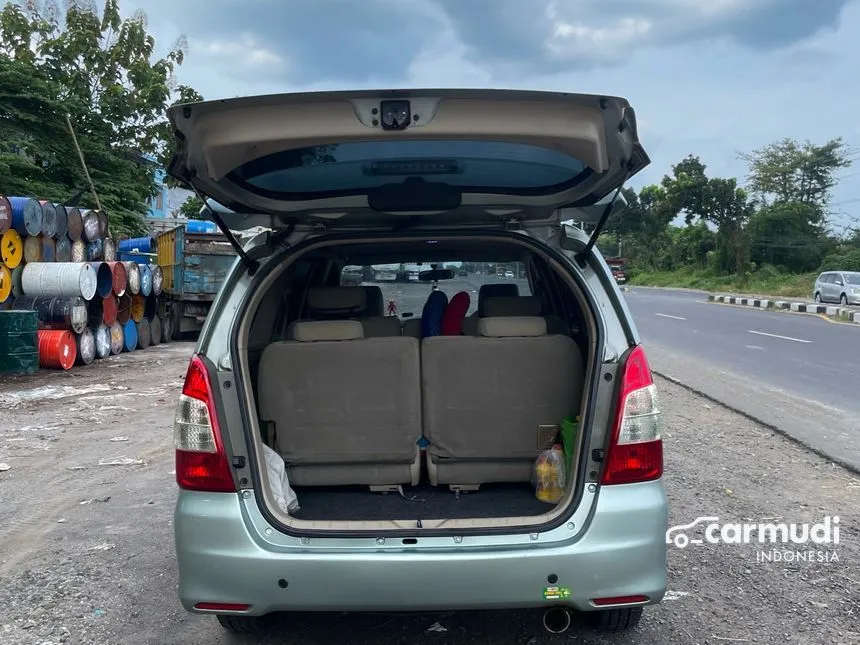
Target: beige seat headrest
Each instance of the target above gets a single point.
(309, 331)
(512, 326)
(512, 306)
(337, 299)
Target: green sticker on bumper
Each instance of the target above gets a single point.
(556, 593)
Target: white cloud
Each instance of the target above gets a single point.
(707, 77)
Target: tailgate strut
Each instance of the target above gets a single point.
(582, 256)
(250, 263)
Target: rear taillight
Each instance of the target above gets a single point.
(201, 463)
(636, 450)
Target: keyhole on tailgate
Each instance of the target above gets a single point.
(283, 584)
(552, 578)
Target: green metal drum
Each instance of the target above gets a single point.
(19, 352)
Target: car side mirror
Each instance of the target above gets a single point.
(839, 282)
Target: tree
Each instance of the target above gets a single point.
(100, 71)
(783, 234)
(190, 208)
(691, 193)
(787, 171)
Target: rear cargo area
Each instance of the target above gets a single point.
(390, 419)
(418, 503)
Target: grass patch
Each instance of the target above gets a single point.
(765, 283)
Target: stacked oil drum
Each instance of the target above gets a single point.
(65, 298)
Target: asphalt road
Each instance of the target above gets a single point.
(738, 354)
(86, 550)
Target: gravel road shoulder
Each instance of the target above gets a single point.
(86, 552)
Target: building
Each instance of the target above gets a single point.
(165, 204)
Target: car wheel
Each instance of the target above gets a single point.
(616, 620)
(818, 298)
(843, 299)
(241, 624)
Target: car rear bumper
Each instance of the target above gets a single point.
(223, 559)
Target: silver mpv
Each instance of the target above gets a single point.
(336, 452)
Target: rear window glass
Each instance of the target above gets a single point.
(399, 282)
(355, 167)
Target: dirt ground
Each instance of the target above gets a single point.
(86, 551)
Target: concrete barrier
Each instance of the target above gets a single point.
(833, 312)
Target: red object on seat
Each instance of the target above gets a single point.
(455, 312)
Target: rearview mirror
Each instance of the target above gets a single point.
(436, 274)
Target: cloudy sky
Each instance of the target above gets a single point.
(708, 77)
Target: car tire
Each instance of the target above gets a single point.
(818, 298)
(843, 299)
(617, 619)
(241, 624)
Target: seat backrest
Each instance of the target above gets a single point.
(412, 327)
(336, 303)
(523, 306)
(495, 290)
(485, 396)
(381, 326)
(374, 306)
(336, 397)
(512, 306)
(353, 303)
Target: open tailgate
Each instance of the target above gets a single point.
(371, 158)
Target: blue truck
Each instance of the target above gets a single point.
(194, 265)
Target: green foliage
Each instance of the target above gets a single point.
(787, 171)
(190, 208)
(785, 234)
(845, 259)
(100, 71)
(768, 240)
(768, 283)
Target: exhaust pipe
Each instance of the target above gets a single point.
(556, 620)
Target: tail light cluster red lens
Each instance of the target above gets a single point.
(201, 462)
(636, 449)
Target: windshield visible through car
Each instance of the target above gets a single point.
(401, 284)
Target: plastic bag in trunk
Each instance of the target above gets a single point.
(548, 475)
(284, 495)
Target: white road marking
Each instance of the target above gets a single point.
(755, 347)
(762, 333)
(668, 316)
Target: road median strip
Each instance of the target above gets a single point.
(833, 312)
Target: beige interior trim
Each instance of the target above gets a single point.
(233, 136)
(390, 525)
